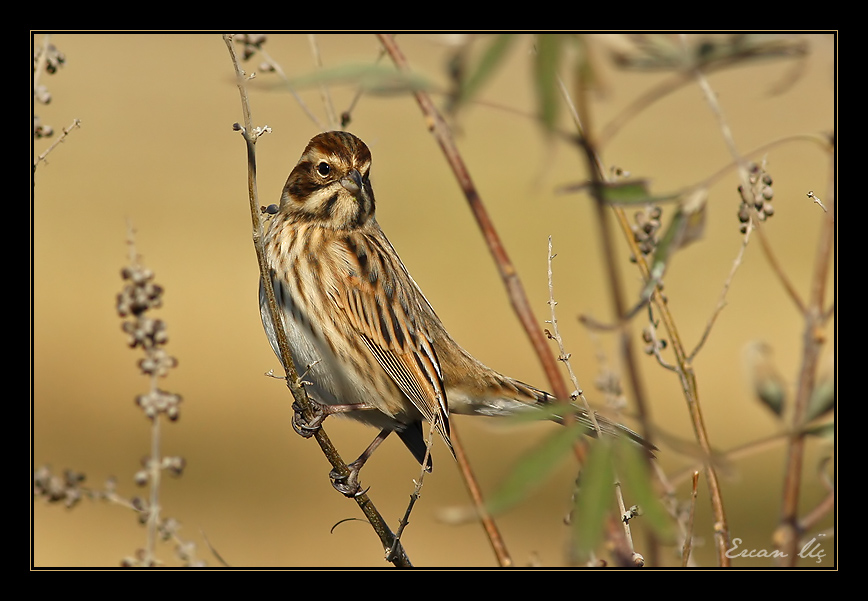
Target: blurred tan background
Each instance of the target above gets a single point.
(156, 147)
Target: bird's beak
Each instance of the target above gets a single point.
(352, 182)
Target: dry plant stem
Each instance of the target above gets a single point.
(661, 90)
(507, 271)
(628, 535)
(37, 73)
(625, 340)
(399, 557)
(740, 161)
(761, 150)
(787, 535)
(620, 548)
(616, 291)
(817, 513)
(41, 62)
(655, 342)
(564, 356)
(688, 539)
(347, 115)
(279, 70)
(776, 266)
(640, 104)
(595, 168)
(691, 394)
(685, 369)
(153, 464)
(578, 448)
(673, 505)
(76, 123)
(721, 303)
(155, 473)
(414, 496)
(488, 524)
(325, 97)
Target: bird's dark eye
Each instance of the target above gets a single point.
(323, 168)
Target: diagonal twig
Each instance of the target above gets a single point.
(515, 290)
(517, 296)
(397, 555)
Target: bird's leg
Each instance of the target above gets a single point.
(348, 484)
(345, 484)
(319, 411)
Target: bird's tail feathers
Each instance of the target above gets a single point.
(559, 412)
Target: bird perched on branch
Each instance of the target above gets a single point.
(369, 343)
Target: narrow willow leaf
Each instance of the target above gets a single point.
(772, 395)
(628, 192)
(768, 385)
(376, 79)
(694, 203)
(533, 468)
(638, 489)
(488, 62)
(825, 430)
(687, 225)
(742, 48)
(653, 52)
(822, 399)
(548, 48)
(663, 52)
(594, 499)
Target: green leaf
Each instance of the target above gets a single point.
(626, 192)
(768, 385)
(594, 499)
(548, 48)
(638, 489)
(533, 468)
(488, 62)
(651, 52)
(375, 79)
(822, 399)
(824, 430)
(664, 52)
(687, 225)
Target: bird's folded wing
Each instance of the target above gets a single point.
(397, 338)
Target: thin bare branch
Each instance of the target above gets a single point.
(685, 370)
(517, 296)
(787, 535)
(298, 99)
(325, 96)
(488, 524)
(564, 355)
(777, 269)
(398, 556)
(76, 123)
(721, 301)
(688, 539)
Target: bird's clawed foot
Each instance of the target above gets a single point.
(307, 427)
(348, 485)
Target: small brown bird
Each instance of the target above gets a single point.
(365, 337)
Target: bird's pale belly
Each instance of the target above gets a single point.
(328, 383)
